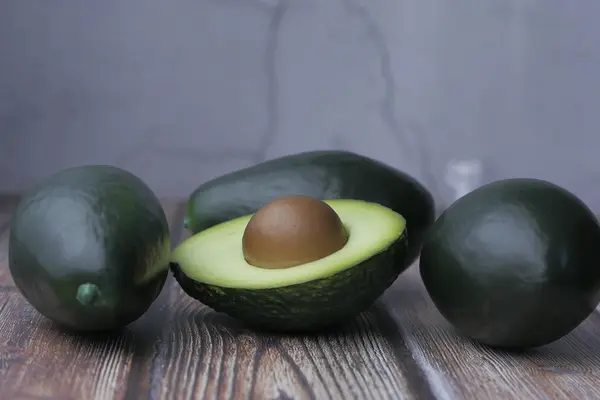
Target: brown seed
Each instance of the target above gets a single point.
(292, 230)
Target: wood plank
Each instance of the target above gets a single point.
(207, 355)
(39, 360)
(146, 374)
(217, 358)
(458, 368)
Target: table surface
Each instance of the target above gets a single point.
(400, 349)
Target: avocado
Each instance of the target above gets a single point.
(318, 174)
(514, 264)
(89, 247)
(210, 267)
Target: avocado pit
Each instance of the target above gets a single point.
(292, 230)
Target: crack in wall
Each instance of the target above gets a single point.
(144, 143)
(272, 90)
(388, 101)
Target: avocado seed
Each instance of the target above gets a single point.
(292, 230)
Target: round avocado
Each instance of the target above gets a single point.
(514, 264)
(322, 175)
(210, 266)
(292, 230)
(89, 247)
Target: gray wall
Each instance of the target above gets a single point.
(181, 91)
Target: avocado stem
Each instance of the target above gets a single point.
(87, 294)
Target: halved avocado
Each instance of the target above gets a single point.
(210, 267)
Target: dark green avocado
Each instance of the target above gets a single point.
(323, 175)
(211, 268)
(514, 264)
(89, 247)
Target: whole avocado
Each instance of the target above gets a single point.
(89, 247)
(325, 175)
(514, 264)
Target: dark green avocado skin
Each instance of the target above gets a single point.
(304, 307)
(514, 264)
(325, 175)
(97, 225)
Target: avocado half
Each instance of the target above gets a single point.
(89, 247)
(322, 175)
(514, 264)
(210, 267)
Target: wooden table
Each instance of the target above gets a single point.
(401, 349)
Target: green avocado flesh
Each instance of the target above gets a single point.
(514, 264)
(318, 174)
(89, 247)
(210, 267)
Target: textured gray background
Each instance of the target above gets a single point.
(181, 91)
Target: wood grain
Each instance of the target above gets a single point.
(40, 361)
(457, 368)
